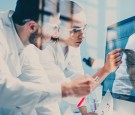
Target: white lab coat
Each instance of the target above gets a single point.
(122, 83)
(60, 68)
(17, 97)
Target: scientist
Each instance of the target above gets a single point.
(61, 57)
(18, 59)
(60, 66)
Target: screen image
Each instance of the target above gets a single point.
(121, 83)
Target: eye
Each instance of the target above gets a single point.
(75, 30)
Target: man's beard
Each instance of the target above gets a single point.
(55, 39)
(33, 38)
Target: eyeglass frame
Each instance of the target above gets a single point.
(72, 29)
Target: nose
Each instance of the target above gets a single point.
(82, 34)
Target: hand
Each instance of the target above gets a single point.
(113, 61)
(79, 87)
(82, 86)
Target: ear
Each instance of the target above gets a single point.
(31, 26)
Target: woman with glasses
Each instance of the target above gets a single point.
(61, 56)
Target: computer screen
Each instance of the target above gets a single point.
(120, 84)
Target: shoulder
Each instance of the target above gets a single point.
(3, 36)
(3, 14)
(30, 47)
(74, 51)
(30, 54)
(30, 50)
(5, 17)
(5, 22)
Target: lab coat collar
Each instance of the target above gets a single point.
(10, 13)
(69, 50)
(62, 59)
(19, 43)
(60, 56)
(67, 55)
(64, 48)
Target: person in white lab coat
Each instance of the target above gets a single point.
(61, 57)
(68, 63)
(124, 82)
(18, 59)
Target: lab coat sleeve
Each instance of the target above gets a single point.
(73, 70)
(18, 95)
(122, 83)
(55, 75)
(15, 94)
(32, 71)
(54, 72)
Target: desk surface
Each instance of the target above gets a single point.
(124, 107)
(121, 107)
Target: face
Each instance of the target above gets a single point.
(76, 36)
(73, 32)
(70, 32)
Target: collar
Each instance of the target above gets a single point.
(10, 13)
(19, 43)
(64, 47)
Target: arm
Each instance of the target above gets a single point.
(32, 71)
(13, 93)
(20, 96)
(74, 69)
(55, 74)
(102, 73)
(75, 86)
(112, 63)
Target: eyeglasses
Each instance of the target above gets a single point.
(73, 30)
(52, 28)
(78, 29)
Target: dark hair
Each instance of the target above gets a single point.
(67, 9)
(26, 10)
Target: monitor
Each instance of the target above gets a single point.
(119, 82)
